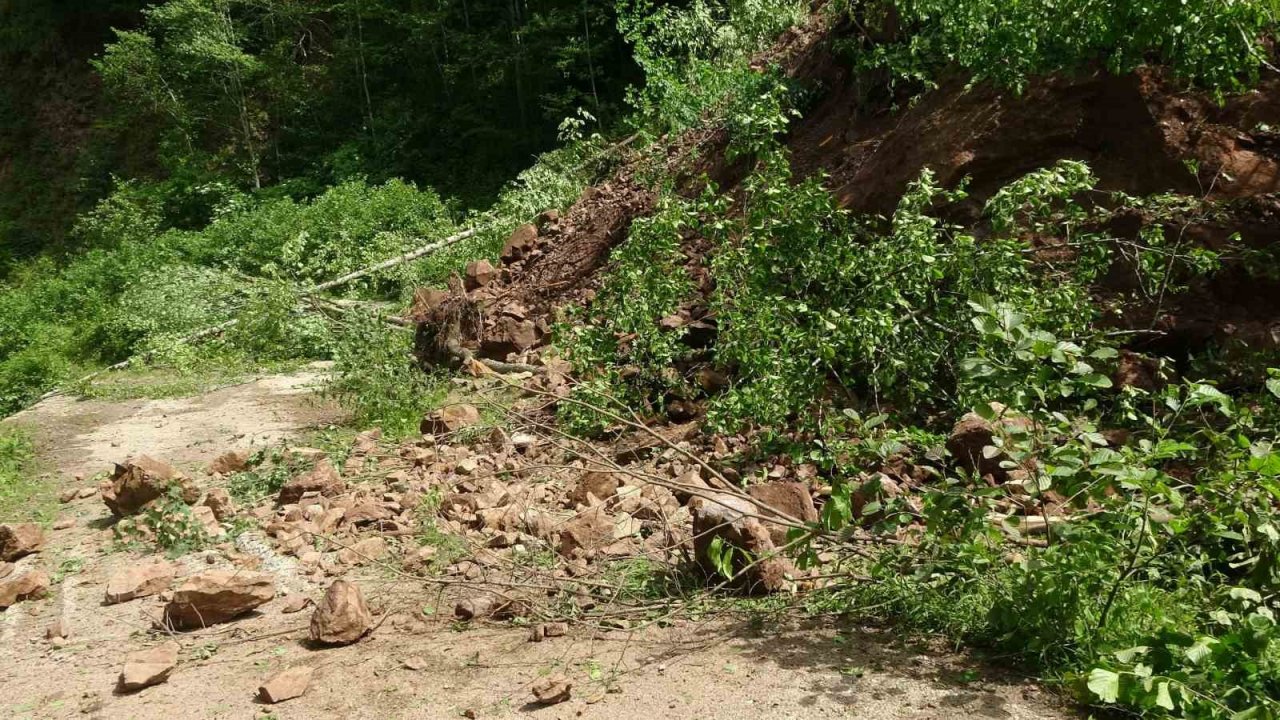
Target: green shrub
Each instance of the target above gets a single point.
(1220, 45)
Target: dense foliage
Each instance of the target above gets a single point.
(262, 147)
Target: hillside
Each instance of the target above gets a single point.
(953, 321)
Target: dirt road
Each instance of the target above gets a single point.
(417, 663)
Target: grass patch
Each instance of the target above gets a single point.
(24, 493)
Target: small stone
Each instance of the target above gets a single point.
(219, 501)
(370, 549)
(87, 492)
(342, 617)
(232, 461)
(555, 629)
(20, 540)
(6, 569)
(68, 495)
(286, 685)
(145, 668)
(450, 419)
(57, 630)
(552, 690)
(64, 523)
(322, 479)
(294, 604)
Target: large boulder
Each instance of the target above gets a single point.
(450, 419)
(136, 581)
(217, 596)
(219, 501)
(137, 482)
(145, 668)
(323, 479)
(729, 518)
(479, 273)
(28, 586)
(19, 540)
(342, 617)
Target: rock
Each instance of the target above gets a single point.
(295, 604)
(20, 540)
(552, 690)
(145, 668)
(322, 479)
(64, 524)
(6, 569)
(727, 517)
(479, 274)
(370, 549)
(209, 521)
(232, 461)
(555, 629)
(520, 244)
(140, 581)
(68, 495)
(449, 419)
(32, 585)
(87, 492)
(509, 335)
(217, 596)
(286, 685)
(1138, 371)
(973, 434)
(367, 513)
(219, 501)
(788, 498)
(59, 630)
(601, 485)
(342, 617)
(589, 532)
(135, 483)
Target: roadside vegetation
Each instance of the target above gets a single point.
(1149, 584)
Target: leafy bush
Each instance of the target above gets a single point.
(1220, 45)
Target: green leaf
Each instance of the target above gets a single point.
(1105, 684)
(1163, 698)
(1273, 384)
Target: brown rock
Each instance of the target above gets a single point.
(370, 549)
(219, 501)
(973, 434)
(64, 523)
(232, 461)
(6, 569)
(135, 483)
(32, 585)
(601, 485)
(20, 540)
(479, 274)
(520, 243)
(788, 498)
(589, 532)
(552, 690)
(145, 668)
(295, 604)
(58, 629)
(322, 479)
(138, 581)
(510, 335)
(1139, 371)
(68, 495)
(727, 517)
(217, 596)
(286, 685)
(342, 617)
(449, 419)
